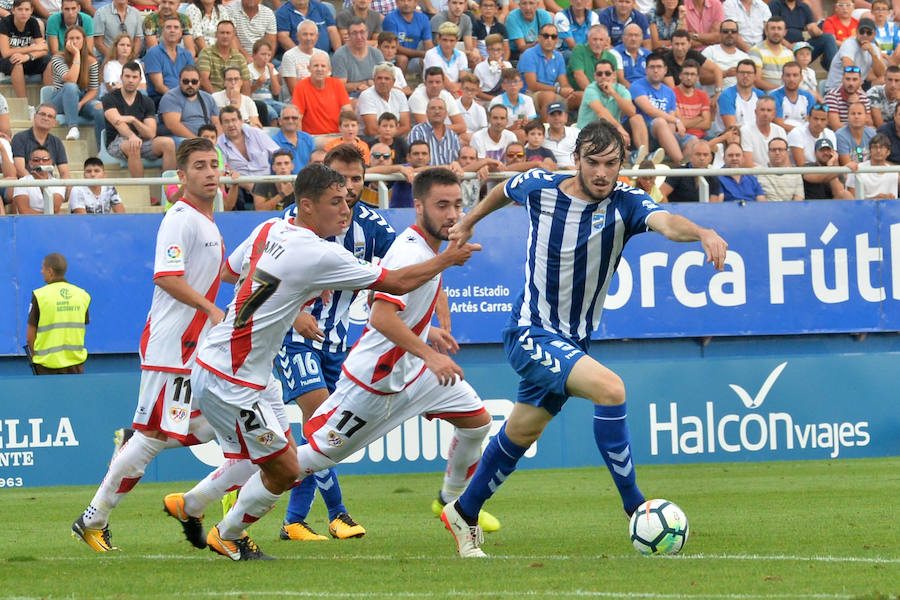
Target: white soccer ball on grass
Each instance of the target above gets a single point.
(658, 527)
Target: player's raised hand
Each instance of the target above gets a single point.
(444, 368)
(442, 341)
(715, 248)
(306, 325)
(460, 233)
(460, 253)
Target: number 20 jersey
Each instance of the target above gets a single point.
(283, 267)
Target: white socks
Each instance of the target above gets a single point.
(464, 454)
(125, 470)
(253, 503)
(232, 474)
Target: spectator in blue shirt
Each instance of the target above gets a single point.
(573, 24)
(413, 31)
(289, 16)
(739, 188)
(299, 143)
(163, 63)
(523, 25)
(620, 14)
(656, 102)
(633, 63)
(544, 71)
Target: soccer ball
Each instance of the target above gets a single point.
(658, 527)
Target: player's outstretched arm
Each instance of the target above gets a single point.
(680, 229)
(385, 319)
(404, 280)
(178, 288)
(465, 227)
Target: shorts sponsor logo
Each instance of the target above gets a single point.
(335, 440)
(266, 439)
(178, 414)
(173, 253)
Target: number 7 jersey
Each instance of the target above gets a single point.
(283, 267)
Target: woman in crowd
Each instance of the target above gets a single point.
(76, 79)
(205, 16)
(665, 18)
(120, 52)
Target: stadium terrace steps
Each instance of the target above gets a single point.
(32, 91)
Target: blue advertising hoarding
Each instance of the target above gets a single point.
(793, 267)
(58, 430)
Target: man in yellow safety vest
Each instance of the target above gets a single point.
(56, 320)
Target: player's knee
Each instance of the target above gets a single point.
(609, 390)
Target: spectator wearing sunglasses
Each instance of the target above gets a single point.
(859, 51)
(606, 99)
(840, 98)
(802, 140)
(544, 71)
(514, 158)
(185, 108)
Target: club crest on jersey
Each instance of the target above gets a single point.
(173, 253)
(335, 440)
(178, 414)
(359, 250)
(598, 220)
(266, 439)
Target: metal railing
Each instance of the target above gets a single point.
(383, 194)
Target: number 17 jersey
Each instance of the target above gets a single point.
(283, 267)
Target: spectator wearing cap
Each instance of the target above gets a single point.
(809, 81)
(860, 51)
(544, 71)
(884, 98)
(892, 130)
(840, 98)
(876, 185)
(791, 103)
(824, 186)
(853, 138)
(739, 188)
(560, 138)
(798, 19)
(802, 139)
(751, 17)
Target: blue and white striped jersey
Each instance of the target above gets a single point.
(574, 247)
(368, 236)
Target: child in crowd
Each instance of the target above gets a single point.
(265, 85)
(808, 81)
(387, 134)
(887, 33)
(387, 43)
(534, 140)
(520, 107)
(473, 112)
(489, 71)
(348, 124)
(648, 183)
(94, 199)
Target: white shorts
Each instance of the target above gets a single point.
(353, 417)
(249, 423)
(165, 404)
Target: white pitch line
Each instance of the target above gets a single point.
(519, 557)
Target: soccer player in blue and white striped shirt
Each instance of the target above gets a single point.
(578, 228)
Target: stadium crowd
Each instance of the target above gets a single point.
(477, 86)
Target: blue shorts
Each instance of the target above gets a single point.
(302, 368)
(544, 360)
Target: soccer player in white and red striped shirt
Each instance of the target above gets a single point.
(287, 264)
(188, 259)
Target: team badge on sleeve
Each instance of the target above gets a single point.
(266, 439)
(335, 440)
(178, 414)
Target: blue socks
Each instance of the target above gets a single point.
(303, 494)
(499, 460)
(614, 442)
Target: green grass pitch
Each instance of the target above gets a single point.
(807, 529)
